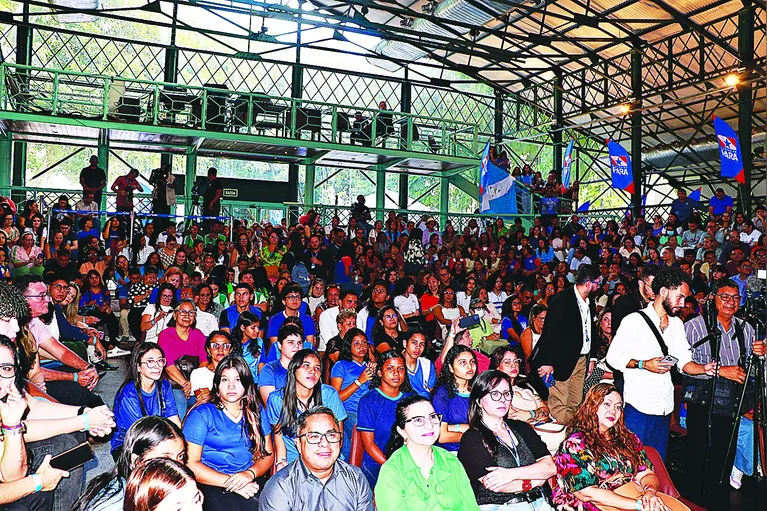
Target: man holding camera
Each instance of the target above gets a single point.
(737, 345)
(124, 187)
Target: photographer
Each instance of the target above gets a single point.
(737, 345)
(124, 187)
(211, 201)
(163, 194)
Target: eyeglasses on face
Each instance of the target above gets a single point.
(221, 346)
(187, 312)
(497, 395)
(512, 362)
(420, 420)
(7, 371)
(159, 362)
(729, 298)
(391, 316)
(332, 437)
(42, 296)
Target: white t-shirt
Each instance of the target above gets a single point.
(153, 333)
(201, 378)
(328, 326)
(206, 322)
(406, 304)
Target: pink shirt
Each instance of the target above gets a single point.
(483, 362)
(175, 348)
(39, 331)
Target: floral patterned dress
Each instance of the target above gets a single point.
(577, 468)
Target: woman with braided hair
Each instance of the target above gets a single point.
(14, 316)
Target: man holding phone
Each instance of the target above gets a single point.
(646, 346)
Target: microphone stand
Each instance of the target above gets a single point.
(716, 344)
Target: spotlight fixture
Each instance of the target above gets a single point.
(625, 108)
(406, 22)
(731, 80)
(429, 7)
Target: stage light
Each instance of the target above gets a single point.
(731, 80)
(625, 109)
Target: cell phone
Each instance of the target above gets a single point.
(669, 359)
(549, 380)
(469, 321)
(73, 458)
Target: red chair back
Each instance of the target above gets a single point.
(666, 484)
(356, 450)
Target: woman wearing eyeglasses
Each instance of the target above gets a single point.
(229, 446)
(218, 345)
(387, 331)
(181, 340)
(144, 392)
(417, 475)
(157, 315)
(507, 463)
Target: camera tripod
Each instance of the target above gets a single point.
(755, 370)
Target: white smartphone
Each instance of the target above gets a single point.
(669, 359)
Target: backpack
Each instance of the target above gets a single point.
(300, 276)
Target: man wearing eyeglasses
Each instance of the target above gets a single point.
(745, 269)
(318, 480)
(737, 344)
(292, 297)
(71, 388)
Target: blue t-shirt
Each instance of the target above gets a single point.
(127, 408)
(225, 444)
(330, 399)
(506, 323)
(423, 385)
(454, 411)
(348, 371)
(720, 205)
(549, 205)
(376, 414)
(276, 321)
(253, 361)
(274, 352)
(273, 375)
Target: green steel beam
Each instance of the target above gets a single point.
(380, 194)
(103, 155)
(465, 185)
(190, 175)
(309, 185)
(6, 161)
(444, 200)
(19, 178)
(403, 198)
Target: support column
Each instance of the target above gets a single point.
(19, 152)
(636, 130)
(498, 111)
(406, 104)
(103, 156)
(190, 176)
(170, 75)
(6, 162)
(380, 194)
(745, 100)
(558, 122)
(309, 185)
(444, 200)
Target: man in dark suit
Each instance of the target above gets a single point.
(637, 299)
(565, 344)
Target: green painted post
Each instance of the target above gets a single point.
(6, 162)
(103, 155)
(444, 200)
(189, 177)
(309, 186)
(403, 191)
(380, 194)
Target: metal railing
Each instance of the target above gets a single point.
(58, 93)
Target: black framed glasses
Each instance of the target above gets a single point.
(333, 437)
(497, 395)
(420, 420)
(7, 371)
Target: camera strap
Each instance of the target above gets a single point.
(663, 347)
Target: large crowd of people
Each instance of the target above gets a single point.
(388, 363)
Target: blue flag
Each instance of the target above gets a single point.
(695, 194)
(497, 189)
(730, 156)
(584, 208)
(567, 164)
(620, 164)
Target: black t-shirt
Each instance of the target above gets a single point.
(93, 177)
(213, 187)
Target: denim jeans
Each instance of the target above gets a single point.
(744, 455)
(349, 422)
(182, 403)
(652, 430)
(69, 489)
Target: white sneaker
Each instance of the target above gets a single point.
(117, 352)
(736, 478)
(93, 356)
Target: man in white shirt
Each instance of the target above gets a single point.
(648, 391)
(579, 258)
(327, 323)
(750, 235)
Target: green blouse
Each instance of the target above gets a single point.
(401, 486)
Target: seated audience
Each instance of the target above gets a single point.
(218, 345)
(162, 484)
(451, 395)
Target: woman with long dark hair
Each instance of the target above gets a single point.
(600, 456)
(451, 395)
(303, 390)
(513, 322)
(219, 345)
(148, 438)
(157, 315)
(414, 462)
(95, 301)
(505, 460)
(387, 331)
(350, 376)
(162, 485)
(144, 392)
(229, 443)
(247, 342)
(388, 386)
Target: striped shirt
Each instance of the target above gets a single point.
(730, 355)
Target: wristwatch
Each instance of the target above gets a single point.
(527, 485)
